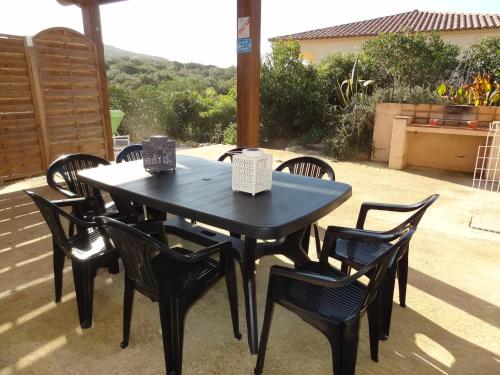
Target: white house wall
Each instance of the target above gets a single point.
(315, 50)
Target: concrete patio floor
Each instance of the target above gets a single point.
(451, 324)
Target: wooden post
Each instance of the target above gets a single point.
(248, 78)
(92, 29)
(39, 105)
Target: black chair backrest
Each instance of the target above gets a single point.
(67, 166)
(52, 215)
(308, 166)
(413, 220)
(130, 153)
(381, 264)
(136, 250)
(230, 153)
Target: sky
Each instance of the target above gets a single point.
(204, 31)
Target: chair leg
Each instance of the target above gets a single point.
(403, 278)
(387, 295)
(235, 235)
(349, 349)
(172, 326)
(268, 316)
(114, 267)
(344, 267)
(316, 237)
(232, 293)
(58, 257)
(128, 302)
(84, 288)
(306, 239)
(374, 327)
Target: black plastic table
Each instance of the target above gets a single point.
(200, 190)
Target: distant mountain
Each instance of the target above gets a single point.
(135, 70)
(111, 52)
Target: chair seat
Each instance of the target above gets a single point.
(178, 277)
(337, 304)
(358, 253)
(90, 245)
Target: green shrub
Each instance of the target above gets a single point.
(405, 94)
(409, 59)
(351, 130)
(482, 57)
(229, 135)
(291, 100)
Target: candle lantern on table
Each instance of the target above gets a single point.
(159, 154)
(252, 171)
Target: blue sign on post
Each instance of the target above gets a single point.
(244, 45)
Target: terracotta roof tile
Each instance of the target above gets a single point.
(414, 21)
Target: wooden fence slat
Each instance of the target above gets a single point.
(53, 43)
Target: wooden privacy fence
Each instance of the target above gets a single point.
(50, 102)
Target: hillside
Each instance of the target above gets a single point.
(186, 101)
(133, 70)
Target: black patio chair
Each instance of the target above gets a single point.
(357, 255)
(87, 250)
(229, 154)
(174, 277)
(310, 167)
(130, 153)
(66, 168)
(331, 301)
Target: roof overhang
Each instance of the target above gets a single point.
(84, 2)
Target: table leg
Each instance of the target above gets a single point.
(248, 273)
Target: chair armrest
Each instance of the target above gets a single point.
(319, 279)
(207, 252)
(61, 190)
(77, 221)
(70, 202)
(333, 232)
(367, 206)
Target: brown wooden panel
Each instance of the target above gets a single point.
(65, 116)
(70, 86)
(67, 72)
(14, 80)
(52, 43)
(20, 150)
(17, 123)
(8, 86)
(51, 79)
(7, 71)
(6, 94)
(59, 59)
(51, 94)
(70, 52)
(13, 63)
(13, 56)
(14, 100)
(11, 40)
(62, 65)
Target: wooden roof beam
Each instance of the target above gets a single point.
(84, 2)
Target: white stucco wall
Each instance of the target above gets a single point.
(315, 50)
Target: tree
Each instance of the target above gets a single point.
(483, 57)
(290, 99)
(409, 59)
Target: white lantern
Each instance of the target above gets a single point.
(252, 171)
